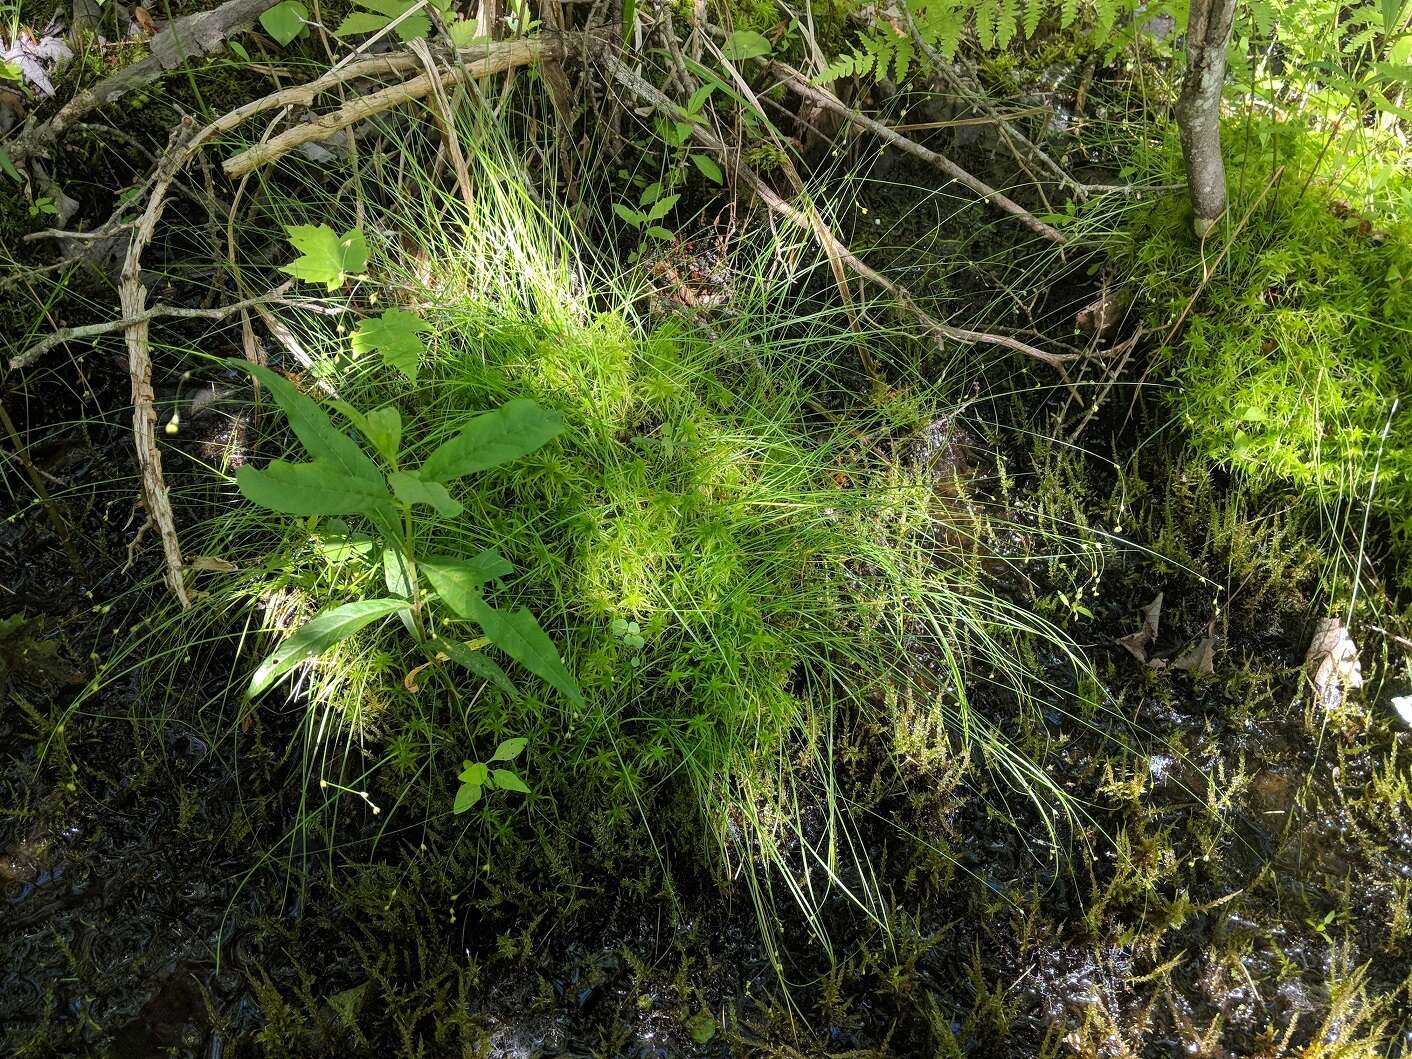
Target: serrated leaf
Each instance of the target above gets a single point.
(515, 429)
(510, 749)
(397, 334)
(459, 581)
(746, 44)
(285, 21)
(410, 489)
(708, 167)
(316, 488)
(325, 257)
(466, 797)
(463, 33)
(508, 781)
(317, 635)
(380, 13)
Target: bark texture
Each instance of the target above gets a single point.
(1199, 108)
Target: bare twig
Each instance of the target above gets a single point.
(185, 37)
(797, 84)
(940, 330)
(493, 58)
(133, 297)
(75, 334)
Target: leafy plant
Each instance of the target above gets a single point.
(397, 335)
(377, 14)
(652, 206)
(341, 479)
(476, 776)
(326, 257)
(285, 21)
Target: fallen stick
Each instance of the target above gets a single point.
(133, 298)
(831, 244)
(183, 38)
(797, 84)
(977, 102)
(493, 58)
(75, 334)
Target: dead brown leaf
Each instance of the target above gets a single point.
(1138, 642)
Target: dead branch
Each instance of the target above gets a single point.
(76, 334)
(184, 38)
(493, 58)
(797, 84)
(977, 101)
(133, 297)
(831, 244)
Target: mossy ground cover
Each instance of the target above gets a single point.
(1231, 880)
(1293, 367)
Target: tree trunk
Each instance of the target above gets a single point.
(1199, 108)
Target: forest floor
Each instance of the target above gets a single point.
(1238, 881)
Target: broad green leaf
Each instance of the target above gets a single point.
(337, 543)
(518, 634)
(317, 488)
(312, 426)
(381, 426)
(410, 489)
(475, 773)
(380, 13)
(319, 634)
(325, 257)
(396, 573)
(7, 164)
(662, 207)
(285, 21)
(239, 50)
(708, 167)
(510, 749)
(746, 44)
(651, 193)
(478, 662)
(511, 431)
(658, 232)
(466, 797)
(508, 781)
(397, 335)
(627, 213)
(463, 33)
(459, 581)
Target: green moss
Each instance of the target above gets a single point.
(1295, 354)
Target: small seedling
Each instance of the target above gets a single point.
(476, 776)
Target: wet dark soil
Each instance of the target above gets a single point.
(1237, 884)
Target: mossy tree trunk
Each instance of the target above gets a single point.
(1199, 108)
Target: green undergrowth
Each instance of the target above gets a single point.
(1295, 361)
(735, 553)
